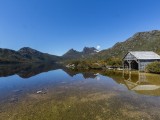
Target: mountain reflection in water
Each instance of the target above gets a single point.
(30, 70)
(26, 70)
(142, 83)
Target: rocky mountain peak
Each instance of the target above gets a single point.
(89, 50)
(72, 50)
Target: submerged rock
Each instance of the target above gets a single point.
(41, 92)
(17, 91)
(13, 99)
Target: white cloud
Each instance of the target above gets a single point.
(98, 47)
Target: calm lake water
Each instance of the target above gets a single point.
(52, 92)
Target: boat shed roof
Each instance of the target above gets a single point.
(145, 55)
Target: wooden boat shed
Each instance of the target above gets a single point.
(138, 60)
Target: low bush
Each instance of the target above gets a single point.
(153, 67)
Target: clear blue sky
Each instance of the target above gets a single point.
(54, 26)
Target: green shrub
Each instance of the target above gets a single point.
(95, 64)
(153, 67)
(115, 62)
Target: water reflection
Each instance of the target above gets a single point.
(143, 83)
(30, 70)
(26, 70)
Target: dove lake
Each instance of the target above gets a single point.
(53, 92)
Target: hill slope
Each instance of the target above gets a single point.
(11, 56)
(142, 41)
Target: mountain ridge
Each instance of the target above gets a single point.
(25, 54)
(140, 41)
